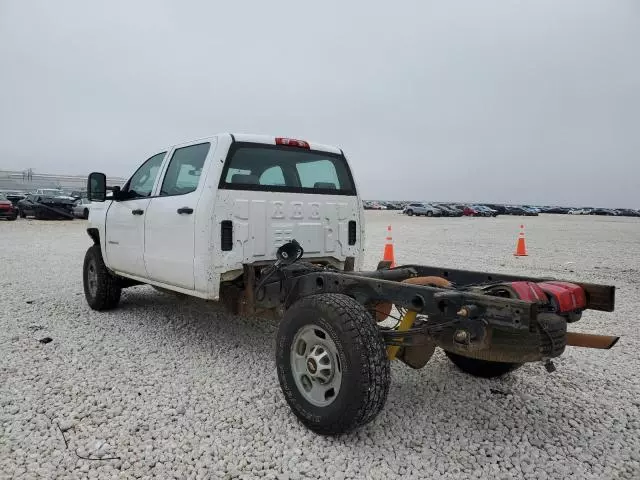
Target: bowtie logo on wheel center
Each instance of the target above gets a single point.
(312, 366)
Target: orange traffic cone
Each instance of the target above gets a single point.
(388, 255)
(521, 247)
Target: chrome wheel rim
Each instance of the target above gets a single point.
(92, 278)
(315, 365)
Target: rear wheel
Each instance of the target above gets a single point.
(332, 363)
(101, 288)
(482, 368)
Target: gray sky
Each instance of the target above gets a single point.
(500, 101)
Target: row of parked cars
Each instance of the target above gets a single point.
(431, 209)
(459, 210)
(44, 204)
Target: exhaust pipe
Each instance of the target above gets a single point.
(588, 340)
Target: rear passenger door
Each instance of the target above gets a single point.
(171, 218)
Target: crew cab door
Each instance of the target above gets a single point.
(170, 222)
(124, 230)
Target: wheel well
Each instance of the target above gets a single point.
(94, 234)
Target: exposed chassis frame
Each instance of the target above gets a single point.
(460, 319)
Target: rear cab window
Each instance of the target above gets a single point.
(278, 168)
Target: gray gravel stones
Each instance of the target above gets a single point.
(182, 390)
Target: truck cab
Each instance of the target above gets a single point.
(208, 214)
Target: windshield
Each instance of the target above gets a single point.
(252, 166)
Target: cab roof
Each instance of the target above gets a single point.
(267, 140)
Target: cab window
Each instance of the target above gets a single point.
(141, 184)
(275, 168)
(185, 168)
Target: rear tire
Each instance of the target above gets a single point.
(101, 288)
(482, 368)
(332, 363)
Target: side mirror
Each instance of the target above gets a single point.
(97, 187)
(289, 253)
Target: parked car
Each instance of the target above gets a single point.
(513, 210)
(485, 211)
(603, 211)
(501, 209)
(392, 205)
(422, 209)
(628, 212)
(449, 211)
(44, 207)
(576, 211)
(78, 194)
(13, 197)
(530, 212)
(470, 212)
(81, 208)
(561, 210)
(7, 210)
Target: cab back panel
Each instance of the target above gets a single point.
(262, 221)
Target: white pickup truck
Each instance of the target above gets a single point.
(193, 216)
(231, 217)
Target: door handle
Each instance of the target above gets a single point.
(186, 210)
(137, 211)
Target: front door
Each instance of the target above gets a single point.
(125, 236)
(171, 219)
(124, 240)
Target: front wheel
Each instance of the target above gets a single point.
(482, 368)
(429, 213)
(332, 363)
(22, 214)
(101, 287)
(85, 214)
(410, 213)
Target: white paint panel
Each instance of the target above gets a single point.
(258, 228)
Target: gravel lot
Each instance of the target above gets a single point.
(172, 388)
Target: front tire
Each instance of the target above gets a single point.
(101, 288)
(429, 213)
(332, 363)
(85, 214)
(410, 213)
(482, 368)
(22, 214)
